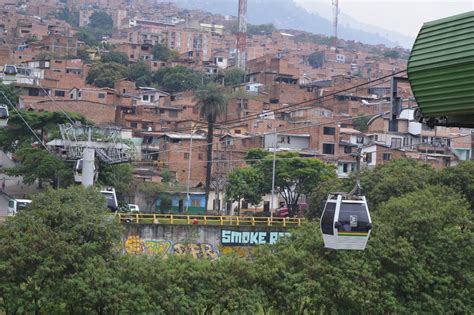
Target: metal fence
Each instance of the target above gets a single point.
(141, 218)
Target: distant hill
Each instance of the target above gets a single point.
(286, 14)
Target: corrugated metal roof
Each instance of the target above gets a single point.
(441, 66)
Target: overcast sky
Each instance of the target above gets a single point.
(403, 16)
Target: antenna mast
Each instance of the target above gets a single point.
(335, 12)
(242, 35)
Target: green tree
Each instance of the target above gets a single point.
(101, 20)
(48, 243)
(294, 176)
(360, 122)
(177, 79)
(163, 53)
(70, 16)
(211, 103)
(391, 54)
(262, 29)
(395, 179)
(119, 176)
(141, 73)
(151, 191)
(84, 56)
(87, 36)
(461, 179)
(39, 164)
(244, 183)
(234, 76)
(424, 242)
(44, 125)
(105, 74)
(115, 56)
(316, 59)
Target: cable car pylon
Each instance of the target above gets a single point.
(346, 222)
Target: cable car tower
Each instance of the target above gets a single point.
(83, 143)
(346, 222)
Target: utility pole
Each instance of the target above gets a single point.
(189, 169)
(335, 12)
(272, 205)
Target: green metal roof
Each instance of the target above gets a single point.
(441, 67)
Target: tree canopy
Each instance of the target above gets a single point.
(105, 74)
(245, 183)
(163, 53)
(234, 76)
(177, 79)
(115, 56)
(294, 176)
(316, 59)
(101, 20)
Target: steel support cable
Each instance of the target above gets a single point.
(23, 119)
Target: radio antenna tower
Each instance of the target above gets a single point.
(335, 12)
(242, 35)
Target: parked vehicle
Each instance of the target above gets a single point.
(14, 205)
(283, 211)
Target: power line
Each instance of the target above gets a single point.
(23, 119)
(285, 130)
(311, 157)
(372, 83)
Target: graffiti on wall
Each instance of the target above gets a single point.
(134, 245)
(239, 238)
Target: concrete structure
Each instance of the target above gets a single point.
(199, 241)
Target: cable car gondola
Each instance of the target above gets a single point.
(10, 70)
(3, 115)
(346, 222)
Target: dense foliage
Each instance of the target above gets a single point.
(60, 256)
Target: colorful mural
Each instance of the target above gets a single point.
(135, 246)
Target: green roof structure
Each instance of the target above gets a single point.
(441, 70)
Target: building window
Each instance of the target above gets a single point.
(387, 156)
(186, 156)
(360, 139)
(396, 143)
(329, 131)
(101, 95)
(345, 167)
(347, 149)
(368, 158)
(145, 98)
(195, 203)
(237, 131)
(133, 124)
(59, 93)
(245, 204)
(145, 126)
(200, 156)
(393, 125)
(328, 148)
(173, 113)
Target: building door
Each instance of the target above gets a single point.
(266, 206)
(181, 205)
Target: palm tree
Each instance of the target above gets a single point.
(211, 103)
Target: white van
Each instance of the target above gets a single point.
(14, 205)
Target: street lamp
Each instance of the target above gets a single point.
(189, 169)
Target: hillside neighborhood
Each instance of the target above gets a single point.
(138, 66)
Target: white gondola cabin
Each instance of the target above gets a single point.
(3, 115)
(346, 222)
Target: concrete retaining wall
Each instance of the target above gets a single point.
(199, 241)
